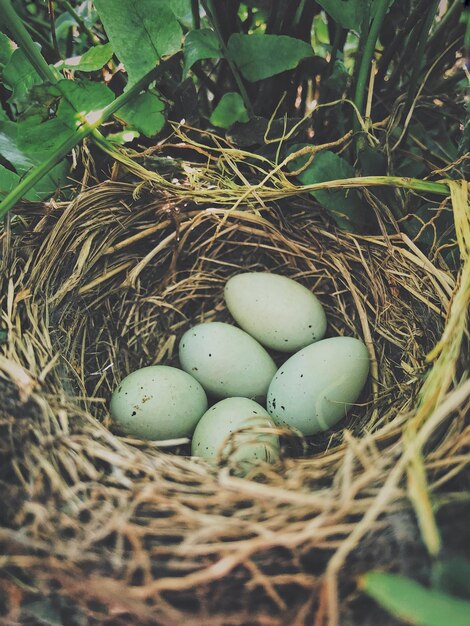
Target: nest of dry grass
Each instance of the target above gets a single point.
(112, 530)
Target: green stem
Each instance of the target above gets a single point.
(364, 68)
(21, 36)
(212, 13)
(82, 131)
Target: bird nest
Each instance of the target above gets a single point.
(101, 528)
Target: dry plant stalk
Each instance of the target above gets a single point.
(130, 532)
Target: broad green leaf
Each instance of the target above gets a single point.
(141, 33)
(144, 114)
(3, 115)
(19, 75)
(344, 205)
(183, 12)
(86, 98)
(347, 13)
(8, 180)
(9, 147)
(230, 109)
(262, 56)
(198, 45)
(39, 140)
(47, 186)
(25, 144)
(90, 61)
(7, 47)
(415, 604)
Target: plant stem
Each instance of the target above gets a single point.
(364, 68)
(82, 131)
(21, 36)
(51, 12)
(212, 13)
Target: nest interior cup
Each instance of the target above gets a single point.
(108, 283)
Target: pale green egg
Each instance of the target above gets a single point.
(158, 402)
(277, 311)
(316, 386)
(212, 441)
(226, 361)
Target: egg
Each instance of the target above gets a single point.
(316, 386)
(211, 442)
(279, 312)
(158, 402)
(226, 360)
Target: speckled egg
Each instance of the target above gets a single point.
(210, 439)
(226, 360)
(158, 402)
(279, 312)
(316, 386)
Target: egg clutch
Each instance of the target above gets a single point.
(311, 391)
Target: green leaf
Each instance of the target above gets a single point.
(8, 180)
(141, 33)
(230, 109)
(45, 188)
(262, 56)
(347, 13)
(415, 604)
(183, 12)
(49, 184)
(9, 147)
(25, 144)
(38, 140)
(86, 98)
(19, 75)
(144, 114)
(198, 45)
(90, 61)
(7, 48)
(344, 205)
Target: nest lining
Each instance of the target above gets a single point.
(108, 283)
